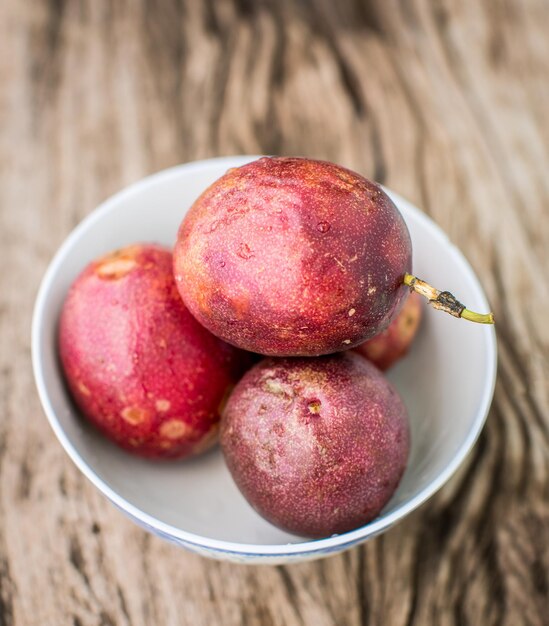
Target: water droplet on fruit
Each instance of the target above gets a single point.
(352, 312)
(214, 225)
(323, 227)
(347, 341)
(222, 263)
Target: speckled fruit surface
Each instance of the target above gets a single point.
(138, 364)
(385, 349)
(293, 257)
(317, 446)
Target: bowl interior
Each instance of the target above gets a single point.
(446, 381)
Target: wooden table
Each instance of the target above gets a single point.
(446, 102)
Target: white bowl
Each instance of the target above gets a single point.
(447, 383)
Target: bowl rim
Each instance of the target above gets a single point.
(328, 544)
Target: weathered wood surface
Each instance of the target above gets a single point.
(445, 101)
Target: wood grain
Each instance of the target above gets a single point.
(446, 102)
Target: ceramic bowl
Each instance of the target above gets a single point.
(447, 383)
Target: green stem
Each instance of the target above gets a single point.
(445, 301)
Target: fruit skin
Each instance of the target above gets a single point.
(138, 364)
(293, 257)
(317, 446)
(385, 349)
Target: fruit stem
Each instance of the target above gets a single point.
(445, 301)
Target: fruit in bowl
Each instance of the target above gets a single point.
(317, 446)
(293, 257)
(392, 344)
(289, 256)
(138, 364)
